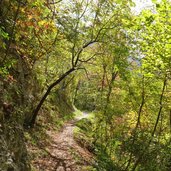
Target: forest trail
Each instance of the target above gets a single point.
(64, 153)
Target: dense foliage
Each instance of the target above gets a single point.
(95, 55)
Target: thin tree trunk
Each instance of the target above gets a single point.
(156, 124)
(32, 121)
(138, 122)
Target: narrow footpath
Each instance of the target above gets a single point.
(64, 153)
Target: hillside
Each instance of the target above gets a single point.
(59, 58)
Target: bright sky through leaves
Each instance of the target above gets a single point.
(141, 4)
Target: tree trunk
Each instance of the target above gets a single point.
(32, 121)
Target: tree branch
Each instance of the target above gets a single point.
(32, 121)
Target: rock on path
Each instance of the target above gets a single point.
(64, 153)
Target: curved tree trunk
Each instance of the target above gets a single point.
(32, 121)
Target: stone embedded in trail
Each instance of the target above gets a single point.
(64, 153)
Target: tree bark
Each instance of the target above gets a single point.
(32, 121)
(156, 124)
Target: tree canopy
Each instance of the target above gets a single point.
(96, 56)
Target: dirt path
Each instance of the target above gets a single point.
(64, 153)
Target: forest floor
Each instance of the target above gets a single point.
(62, 152)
